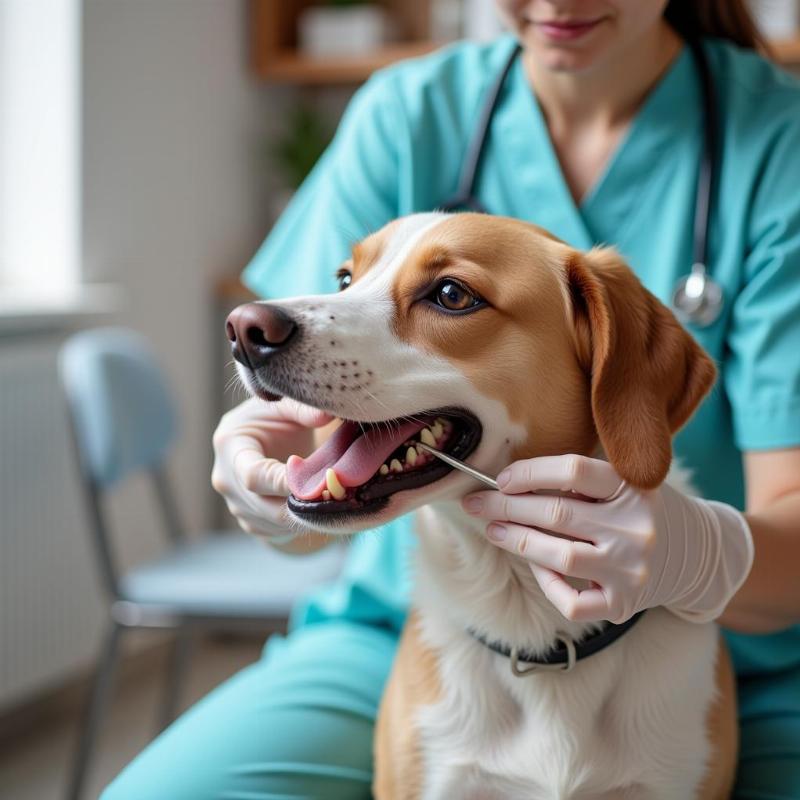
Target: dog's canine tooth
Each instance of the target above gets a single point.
(427, 436)
(395, 465)
(436, 431)
(411, 456)
(334, 486)
(384, 470)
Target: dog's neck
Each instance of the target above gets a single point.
(468, 583)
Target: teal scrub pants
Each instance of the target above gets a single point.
(297, 725)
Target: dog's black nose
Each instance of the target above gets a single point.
(258, 331)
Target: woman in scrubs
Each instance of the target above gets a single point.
(597, 136)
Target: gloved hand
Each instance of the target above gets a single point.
(251, 443)
(639, 549)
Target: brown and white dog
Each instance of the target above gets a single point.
(498, 342)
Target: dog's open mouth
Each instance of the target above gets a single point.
(362, 464)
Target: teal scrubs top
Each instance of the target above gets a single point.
(398, 150)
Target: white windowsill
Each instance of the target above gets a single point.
(22, 311)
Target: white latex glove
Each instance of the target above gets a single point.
(251, 444)
(639, 549)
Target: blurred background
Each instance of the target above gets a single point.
(146, 148)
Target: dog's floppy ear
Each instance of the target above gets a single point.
(648, 375)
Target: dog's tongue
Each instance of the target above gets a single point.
(355, 456)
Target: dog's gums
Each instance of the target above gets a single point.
(343, 476)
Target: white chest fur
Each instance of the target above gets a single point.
(629, 722)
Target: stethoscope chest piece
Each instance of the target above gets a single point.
(697, 298)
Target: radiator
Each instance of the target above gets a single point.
(50, 606)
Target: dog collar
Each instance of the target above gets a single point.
(564, 654)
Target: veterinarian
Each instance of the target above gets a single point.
(597, 135)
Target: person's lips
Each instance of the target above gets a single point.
(566, 30)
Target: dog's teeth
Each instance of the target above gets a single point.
(384, 470)
(427, 436)
(334, 487)
(395, 465)
(326, 495)
(411, 456)
(436, 431)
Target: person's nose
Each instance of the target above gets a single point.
(257, 331)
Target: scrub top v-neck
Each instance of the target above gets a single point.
(666, 129)
(398, 150)
(611, 205)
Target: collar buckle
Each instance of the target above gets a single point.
(531, 668)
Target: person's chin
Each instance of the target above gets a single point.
(569, 56)
(564, 62)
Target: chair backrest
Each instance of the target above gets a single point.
(123, 414)
(123, 421)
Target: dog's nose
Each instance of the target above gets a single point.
(257, 331)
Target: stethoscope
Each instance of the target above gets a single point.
(697, 298)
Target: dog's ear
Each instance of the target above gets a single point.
(648, 375)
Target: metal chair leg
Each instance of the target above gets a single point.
(179, 656)
(94, 710)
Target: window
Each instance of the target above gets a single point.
(39, 147)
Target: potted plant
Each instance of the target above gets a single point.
(296, 150)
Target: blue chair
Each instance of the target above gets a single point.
(123, 422)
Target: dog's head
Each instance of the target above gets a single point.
(483, 335)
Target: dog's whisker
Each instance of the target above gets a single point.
(233, 380)
(372, 395)
(385, 423)
(234, 384)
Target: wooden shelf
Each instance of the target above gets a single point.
(291, 67)
(294, 68)
(787, 51)
(274, 48)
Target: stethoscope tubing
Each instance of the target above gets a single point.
(464, 197)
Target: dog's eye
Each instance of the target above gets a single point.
(454, 296)
(345, 278)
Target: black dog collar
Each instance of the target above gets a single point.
(563, 656)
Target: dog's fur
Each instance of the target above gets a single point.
(571, 355)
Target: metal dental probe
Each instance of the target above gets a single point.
(454, 462)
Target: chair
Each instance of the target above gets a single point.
(123, 422)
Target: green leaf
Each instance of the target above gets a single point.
(302, 143)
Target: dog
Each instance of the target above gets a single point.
(495, 341)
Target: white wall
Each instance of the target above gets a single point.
(172, 181)
(174, 198)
